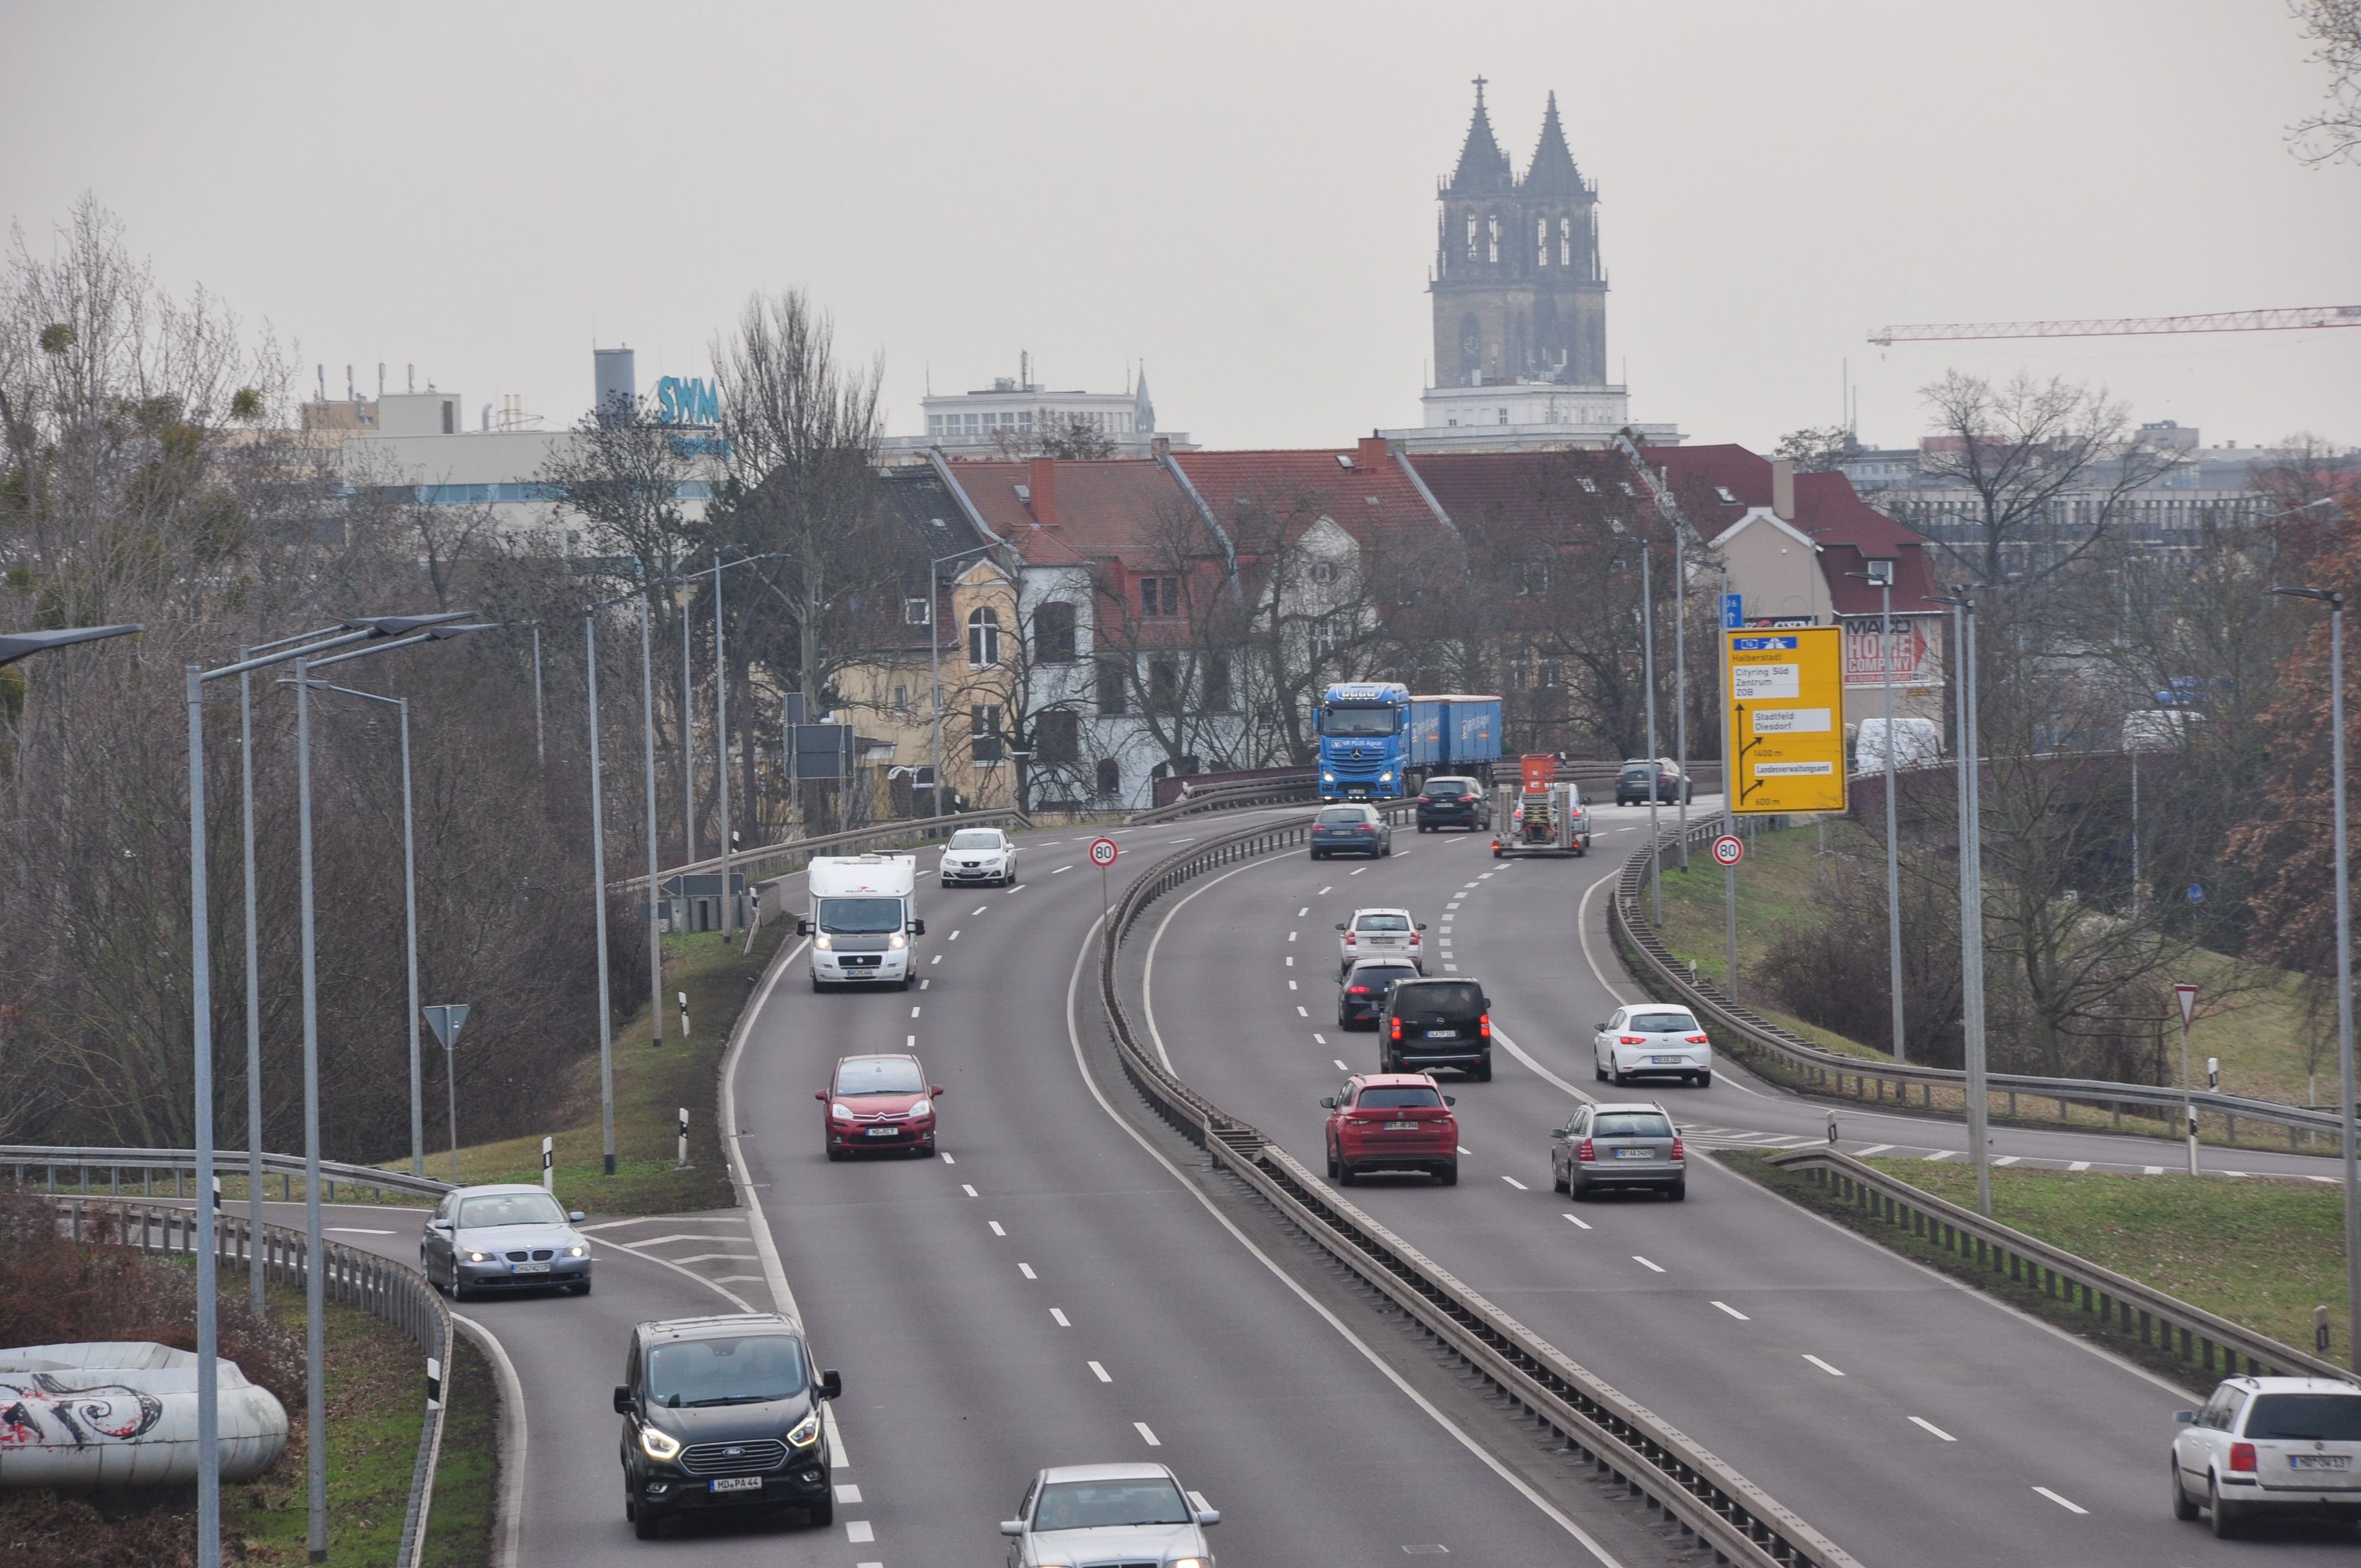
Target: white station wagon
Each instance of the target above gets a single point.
(2269, 1446)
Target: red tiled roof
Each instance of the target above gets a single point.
(1114, 506)
(1521, 486)
(1371, 499)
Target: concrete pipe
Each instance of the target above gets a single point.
(124, 1414)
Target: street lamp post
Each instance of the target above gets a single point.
(2335, 603)
(934, 649)
(1882, 573)
(599, 894)
(648, 752)
(721, 733)
(1681, 683)
(1971, 891)
(1648, 677)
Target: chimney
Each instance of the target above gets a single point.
(1160, 447)
(1044, 478)
(1783, 489)
(1369, 451)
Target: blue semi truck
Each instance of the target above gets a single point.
(1379, 742)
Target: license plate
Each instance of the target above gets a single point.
(2320, 1461)
(1665, 1061)
(1401, 1126)
(884, 1132)
(1443, 1034)
(1636, 1154)
(528, 1268)
(737, 1484)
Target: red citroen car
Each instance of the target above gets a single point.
(879, 1103)
(1391, 1121)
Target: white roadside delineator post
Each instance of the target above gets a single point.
(549, 1165)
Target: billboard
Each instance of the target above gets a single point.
(1864, 652)
(1786, 691)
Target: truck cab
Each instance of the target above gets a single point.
(863, 920)
(1379, 742)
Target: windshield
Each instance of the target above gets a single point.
(861, 916)
(1398, 1099)
(1382, 923)
(1377, 977)
(1663, 1023)
(1094, 1504)
(1629, 1125)
(2306, 1417)
(744, 1370)
(1335, 719)
(1345, 814)
(1637, 770)
(510, 1209)
(880, 1075)
(976, 839)
(1443, 997)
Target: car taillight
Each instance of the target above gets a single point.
(1397, 1029)
(1351, 940)
(1584, 1153)
(2241, 1456)
(1426, 800)
(1631, 1039)
(1358, 991)
(1679, 1152)
(1484, 1026)
(1698, 1040)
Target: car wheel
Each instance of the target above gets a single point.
(1577, 1190)
(1557, 1179)
(822, 1514)
(1597, 1071)
(631, 1509)
(1481, 1074)
(2226, 1518)
(2183, 1508)
(1615, 1076)
(1318, 856)
(835, 1154)
(816, 986)
(583, 1288)
(645, 1525)
(1679, 1191)
(1345, 1174)
(1448, 1176)
(1705, 1080)
(946, 881)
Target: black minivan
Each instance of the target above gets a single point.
(723, 1414)
(1452, 803)
(1426, 1024)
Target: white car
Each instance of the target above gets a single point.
(1112, 1514)
(2269, 1446)
(1380, 933)
(979, 857)
(1652, 1040)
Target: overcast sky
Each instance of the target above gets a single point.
(1241, 196)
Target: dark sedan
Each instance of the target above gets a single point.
(1454, 802)
(1363, 990)
(1661, 774)
(1350, 829)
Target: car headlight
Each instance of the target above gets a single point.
(842, 1111)
(658, 1444)
(923, 1109)
(807, 1431)
(478, 1257)
(1386, 777)
(897, 940)
(1327, 778)
(577, 1250)
(822, 942)
(1187, 1563)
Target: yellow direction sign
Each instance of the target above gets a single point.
(1786, 718)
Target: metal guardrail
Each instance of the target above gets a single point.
(852, 842)
(1706, 1498)
(390, 1291)
(2209, 1346)
(145, 1165)
(1232, 797)
(1799, 1064)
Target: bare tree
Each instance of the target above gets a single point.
(2333, 26)
(1816, 451)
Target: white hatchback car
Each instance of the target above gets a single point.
(1652, 1040)
(979, 857)
(1380, 933)
(1112, 1514)
(2269, 1446)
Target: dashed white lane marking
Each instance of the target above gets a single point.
(948, 1161)
(2151, 1170)
(1324, 889)
(954, 935)
(1823, 1365)
(848, 1491)
(1299, 1013)
(2070, 1507)
(910, 1042)
(1197, 1501)
(996, 1227)
(1517, 1184)
(1579, 1220)
(1940, 1153)
(1450, 968)
(1873, 1148)
(1154, 1442)
(1465, 1149)
(1291, 936)
(1302, 911)
(1018, 888)
(1292, 986)
(1930, 1426)
(1061, 1318)
(2079, 1165)
(1645, 1263)
(1290, 960)
(1067, 867)
(1467, 887)
(1027, 1270)
(938, 958)
(857, 1530)
(1357, 871)
(1317, 1038)
(1733, 1311)
(364, 1231)
(978, 910)
(924, 983)
(1488, 875)
(914, 1009)
(1099, 1371)
(966, 1188)
(1340, 1065)
(2006, 1159)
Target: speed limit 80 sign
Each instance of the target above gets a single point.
(1728, 849)
(1102, 852)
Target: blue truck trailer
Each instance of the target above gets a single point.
(1379, 742)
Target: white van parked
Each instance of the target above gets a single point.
(863, 922)
(1917, 743)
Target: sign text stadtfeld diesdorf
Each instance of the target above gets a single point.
(1786, 718)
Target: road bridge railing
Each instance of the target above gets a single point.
(1705, 1498)
(61, 1166)
(1787, 1057)
(1241, 795)
(390, 1291)
(789, 854)
(2207, 1347)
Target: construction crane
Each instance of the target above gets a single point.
(2298, 318)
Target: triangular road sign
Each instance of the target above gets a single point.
(445, 1022)
(2186, 994)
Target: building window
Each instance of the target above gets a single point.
(901, 699)
(1111, 683)
(1553, 671)
(983, 742)
(1565, 242)
(1110, 778)
(1326, 633)
(1532, 577)
(983, 638)
(1589, 486)
(1053, 633)
(1057, 738)
(1504, 416)
(1218, 695)
(1323, 572)
(1540, 239)
(1471, 236)
(1163, 687)
(1495, 237)
(1159, 598)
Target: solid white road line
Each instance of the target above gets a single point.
(1733, 1311)
(1930, 1426)
(996, 1227)
(1027, 1270)
(1645, 1263)
(2071, 1507)
(1823, 1365)
(355, 1231)
(1061, 1318)
(2151, 1170)
(1153, 1440)
(2006, 1159)
(1099, 1371)
(507, 1521)
(1579, 1220)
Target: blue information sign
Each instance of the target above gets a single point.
(2196, 894)
(1733, 611)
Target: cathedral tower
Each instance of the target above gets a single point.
(1518, 293)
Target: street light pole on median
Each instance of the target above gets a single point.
(1882, 573)
(598, 901)
(648, 749)
(1972, 896)
(2335, 603)
(1648, 678)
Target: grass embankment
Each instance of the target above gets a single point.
(2250, 1017)
(651, 1086)
(2261, 1252)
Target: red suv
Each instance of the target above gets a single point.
(1391, 1121)
(879, 1103)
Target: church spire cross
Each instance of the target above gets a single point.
(1479, 91)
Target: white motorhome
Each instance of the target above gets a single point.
(1917, 743)
(863, 920)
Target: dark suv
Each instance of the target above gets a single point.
(1427, 1024)
(723, 1414)
(1632, 785)
(1454, 802)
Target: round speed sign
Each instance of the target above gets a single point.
(1729, 850)
(1103, 851)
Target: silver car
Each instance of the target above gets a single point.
(1109, 1516)
(2269, 1446)
(507, 1237)
(1608, 1144)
